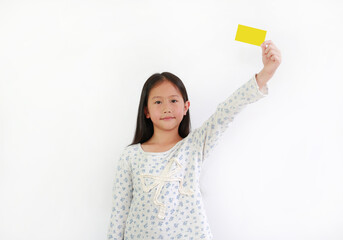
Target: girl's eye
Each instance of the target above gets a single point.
(160, 101)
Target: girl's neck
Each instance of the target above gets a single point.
(163, 139)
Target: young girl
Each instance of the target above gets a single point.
(156, 193)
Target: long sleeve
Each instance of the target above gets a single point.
(121, 201)
(212, 129)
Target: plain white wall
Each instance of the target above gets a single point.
(71, 73)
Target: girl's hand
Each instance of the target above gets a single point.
(271, 57)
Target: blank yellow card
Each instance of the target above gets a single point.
(250, 35)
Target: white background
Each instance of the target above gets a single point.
(71, 74)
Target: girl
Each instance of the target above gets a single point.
(156, 193)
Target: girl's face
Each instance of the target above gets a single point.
(166, 107)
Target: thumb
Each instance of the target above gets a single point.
(263, 46)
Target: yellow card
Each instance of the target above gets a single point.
(250, 35)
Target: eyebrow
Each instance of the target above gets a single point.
(169, 96)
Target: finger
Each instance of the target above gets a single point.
(270, 53)
(274, 50)
(263, 46)
(276, 58)
(270, 47)
(267, 50)
(268, 42)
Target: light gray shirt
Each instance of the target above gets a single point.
(157, 195)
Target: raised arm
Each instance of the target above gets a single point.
(121, 200)
(212, 129)
(255, 89)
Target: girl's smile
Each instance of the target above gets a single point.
(168, 118)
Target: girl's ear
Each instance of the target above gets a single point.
(187, 104)
(146, 113)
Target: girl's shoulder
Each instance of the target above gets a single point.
(127, 150)
(130, 148)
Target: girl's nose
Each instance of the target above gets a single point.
(167, 108)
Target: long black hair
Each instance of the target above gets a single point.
(144, 126)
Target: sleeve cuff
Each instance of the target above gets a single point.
(264, 89)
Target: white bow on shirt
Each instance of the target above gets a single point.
(166, 176)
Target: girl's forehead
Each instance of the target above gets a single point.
(164, 89)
